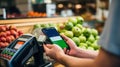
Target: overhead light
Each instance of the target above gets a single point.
(78, 6)
(60, 5)
(70, 5)
(33, 1)
(47, 1)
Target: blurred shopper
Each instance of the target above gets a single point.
(66, 12)
(109, 55)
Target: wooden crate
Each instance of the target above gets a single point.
(26, 25)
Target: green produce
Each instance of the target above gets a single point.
(76, 40)
(91, 38)
(90, 48)
(44, 25)
(87, 32)
(80, 20)
(61, 26)
(69, 34)
(37, 26)
(85, 38)
(77, 31)
(88, 43)
(83, 47)
(94, 32)
(51, 25)
(83, 44)
(80, 26)
(82, 39)
(95, 46)
(73, 20)
(69, 25)
(97, 37)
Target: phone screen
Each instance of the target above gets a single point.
(55, 37)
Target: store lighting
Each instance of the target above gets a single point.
(70, 5)
(60, 5)
(78, 6)
(33, 1)
(47, 1)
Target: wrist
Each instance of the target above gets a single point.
(60, 56)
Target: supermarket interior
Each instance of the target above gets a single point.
(26, 25)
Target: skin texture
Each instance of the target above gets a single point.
(81, 58)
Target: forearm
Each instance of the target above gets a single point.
(86, 53)
(70, 61)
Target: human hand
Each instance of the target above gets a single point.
(53, 51)
(71, 44)
(76, 51)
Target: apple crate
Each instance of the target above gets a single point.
(8, 33)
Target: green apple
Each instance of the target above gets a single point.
(91, 38)
(37, 26)
(83, 47)
(95, 46)
(69, 34)
(76, 40)
(61, 26)
(83, 44)
(62, 33)
(79, 25)
(69, 25)
(87, 32)
(77, 31)
(90, 48)
(97, 37)
(82, 39)
(80, 20)
(73, 20)
(51, 24)
(89, 43)
(94, 32)
(44, 25)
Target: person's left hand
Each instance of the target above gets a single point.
(53, 51)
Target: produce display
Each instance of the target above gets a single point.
(36, 14)
(8, 34)
(85, 38)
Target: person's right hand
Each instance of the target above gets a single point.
(71, 44)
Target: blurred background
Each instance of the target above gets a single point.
(94, 12)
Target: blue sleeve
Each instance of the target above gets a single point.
(110, 38)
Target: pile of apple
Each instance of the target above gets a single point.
(85, 38)
(8, 34)
(44, 25)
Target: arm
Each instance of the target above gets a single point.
(56, 53)
(82, 53)
(104, 58)
(70, 61)
(78, 52)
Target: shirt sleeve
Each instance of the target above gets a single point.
(110, 38)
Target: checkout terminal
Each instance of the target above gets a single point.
(21, 50)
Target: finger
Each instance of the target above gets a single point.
(49, 46)
(45, 48)
(65, 37)
(65, 50)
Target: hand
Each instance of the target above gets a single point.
(76, 51)
(53, 51)
(72, 45)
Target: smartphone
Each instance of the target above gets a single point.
(55, 38)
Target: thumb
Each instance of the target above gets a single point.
(45, 48)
